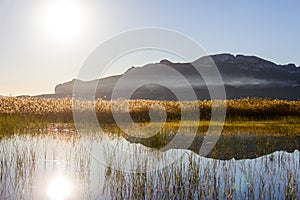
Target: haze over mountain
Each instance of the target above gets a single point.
(243, 76)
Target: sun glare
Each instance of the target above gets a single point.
(59, 188)
(63, 20)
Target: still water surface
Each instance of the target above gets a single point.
(56, 167)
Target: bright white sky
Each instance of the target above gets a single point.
(45, 42)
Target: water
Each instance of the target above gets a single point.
(91, 167)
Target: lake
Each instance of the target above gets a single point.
(63, 165)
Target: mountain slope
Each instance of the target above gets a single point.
(243, 76)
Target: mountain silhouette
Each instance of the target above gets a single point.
(243, 76)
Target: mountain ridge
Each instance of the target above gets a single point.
(243, 76)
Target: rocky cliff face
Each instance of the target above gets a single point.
(243, 76)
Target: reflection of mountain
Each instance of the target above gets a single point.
(243, 146)
(243, 76)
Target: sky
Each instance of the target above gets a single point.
(45, 42)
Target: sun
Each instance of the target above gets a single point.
(63, 20)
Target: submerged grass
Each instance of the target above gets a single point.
(197, 178)
(14, 124)
(28, 163)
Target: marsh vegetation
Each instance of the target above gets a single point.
(257, 155)
(62, 109)
(29, 163)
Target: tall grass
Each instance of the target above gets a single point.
(61, 109)
(22, 115)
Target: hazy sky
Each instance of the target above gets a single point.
(43, 43)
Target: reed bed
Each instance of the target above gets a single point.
(250, 109)
(24, 115)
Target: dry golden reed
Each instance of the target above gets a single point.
(254, 109)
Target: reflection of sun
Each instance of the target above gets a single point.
(59, 188)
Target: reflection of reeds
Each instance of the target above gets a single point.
(24, 159)
(26, 164)
(199, 178)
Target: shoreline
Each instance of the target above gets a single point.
(255, 116)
